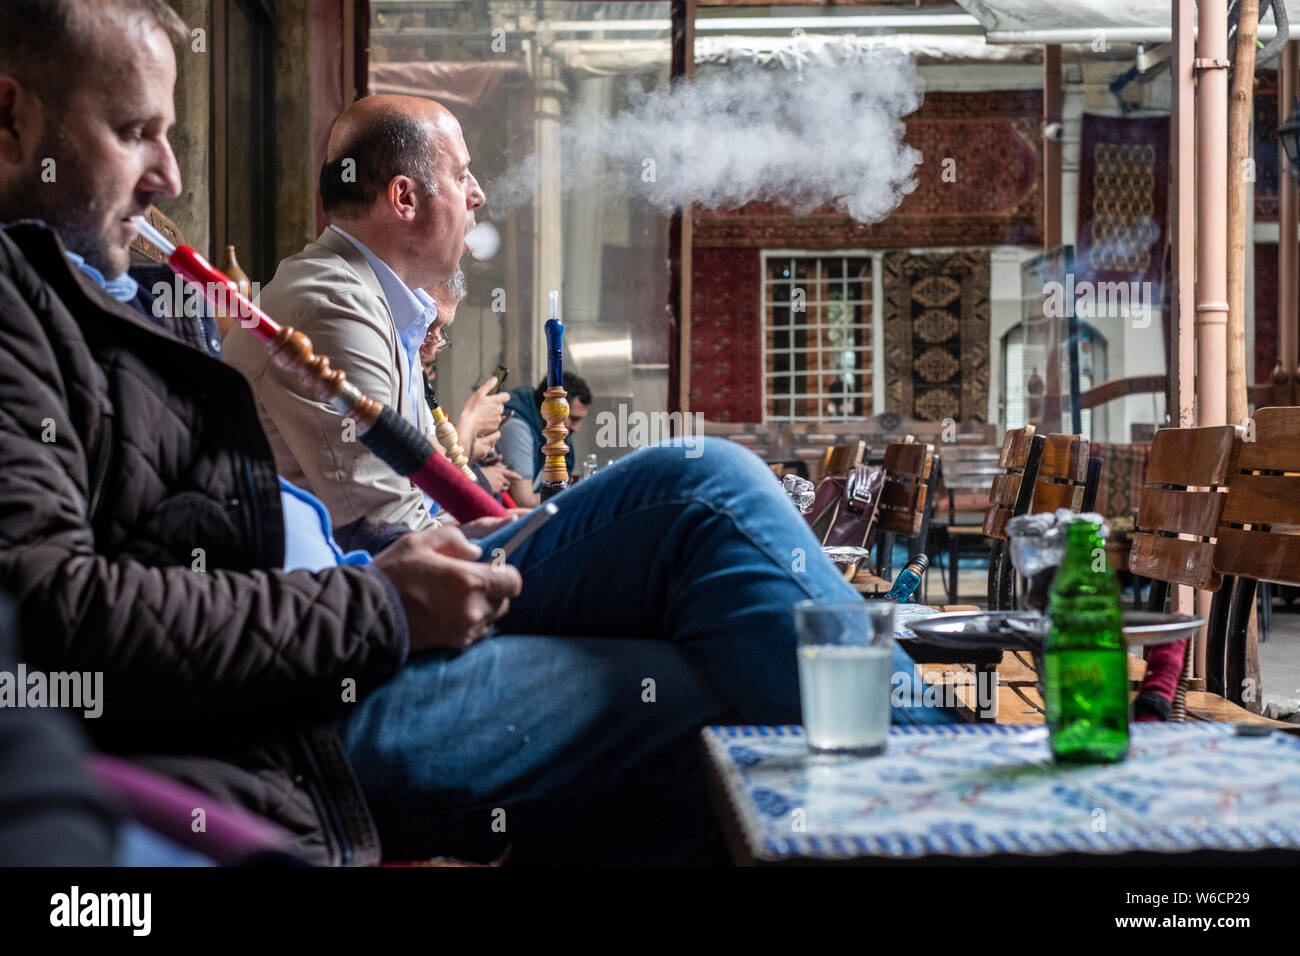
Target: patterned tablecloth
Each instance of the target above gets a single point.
(984, 789)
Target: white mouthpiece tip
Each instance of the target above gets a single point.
(147, 231)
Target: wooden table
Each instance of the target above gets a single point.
(991, 793)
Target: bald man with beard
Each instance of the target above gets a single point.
(400, 200)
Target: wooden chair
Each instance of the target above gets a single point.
(788, 467)
(1178, 515)
(1010, 494)
(965, 474)
(1044, 473)
(906, 501)
(1258, 541)
(839, 459)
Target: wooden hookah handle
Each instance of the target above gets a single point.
(292, 352)
(555, 410)
(449, 439)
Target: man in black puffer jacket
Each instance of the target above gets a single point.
(141, 524)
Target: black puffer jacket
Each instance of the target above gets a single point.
(140, 533)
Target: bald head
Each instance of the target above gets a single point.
(376, 139)
(396, 177)
(359, 118)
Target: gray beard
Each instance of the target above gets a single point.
(457, 286)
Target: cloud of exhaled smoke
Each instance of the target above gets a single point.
(825, 135)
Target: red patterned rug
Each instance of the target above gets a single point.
(937, 335)
(979, 184)
(726, 349)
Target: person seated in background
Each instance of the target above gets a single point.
(522, 439)
(480, 416)
(412, 693)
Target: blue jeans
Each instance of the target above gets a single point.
(664, 587)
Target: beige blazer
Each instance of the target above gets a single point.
(329, 292)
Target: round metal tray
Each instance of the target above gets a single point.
(1025, 630)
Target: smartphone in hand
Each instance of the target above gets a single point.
(527, 528)
(500, 372)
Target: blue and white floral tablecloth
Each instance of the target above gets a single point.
(982, 789)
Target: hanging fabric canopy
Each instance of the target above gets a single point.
(1119, 21)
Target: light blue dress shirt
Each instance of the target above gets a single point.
(123, 287)
(308, 534)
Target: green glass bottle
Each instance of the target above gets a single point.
(1085, 665)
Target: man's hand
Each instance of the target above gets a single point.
(498, 476)
(451, 600)
(482, 527)
(480, 418)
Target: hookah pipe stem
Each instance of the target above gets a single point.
(449, 438)
(555, 407)
(382, 430)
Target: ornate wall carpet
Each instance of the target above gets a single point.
(937, 335)
(1123, 200)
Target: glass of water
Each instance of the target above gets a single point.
(845, 651)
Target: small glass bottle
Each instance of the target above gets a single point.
(908, 580)
(590, 466)
(1085, 660)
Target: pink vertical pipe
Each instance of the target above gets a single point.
(1212, 212)
(1182, 183)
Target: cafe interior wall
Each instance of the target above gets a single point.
(1133, 348)
(304, 64)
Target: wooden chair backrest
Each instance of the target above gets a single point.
(1184, 494)
(1259, 530)
(1004, 492)
(1062, 477)
(1044, 473)
(840, 459)
(905, 498)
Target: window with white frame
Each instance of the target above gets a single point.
(816, 336)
